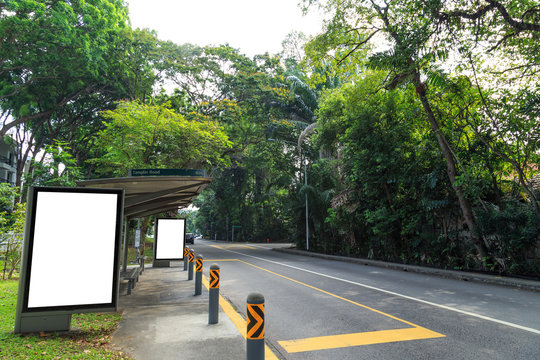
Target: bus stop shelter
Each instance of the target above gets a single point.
(150, 195)
(62, 222)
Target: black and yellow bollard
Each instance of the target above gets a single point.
(213, 295)
(191, 256)
(255, 327)
(186, 256)
(198, 274)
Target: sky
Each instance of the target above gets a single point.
(253, 26)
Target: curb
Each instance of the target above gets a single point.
(524, 284)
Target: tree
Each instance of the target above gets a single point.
(62, 63)
(8, 194)
(54, 54)
(141, 135)
(56, 167)
(12, 217)
(382, 172)
(506, 29)
(503, 122)
(408, 58)
(293, 47)
(502, 59)
(155, 136)
(189, 215)
(253, 103)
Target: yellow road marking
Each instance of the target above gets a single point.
(331, 294)
(238, 321)
(358, 339)
(416, 332)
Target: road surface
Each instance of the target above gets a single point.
(323, 309)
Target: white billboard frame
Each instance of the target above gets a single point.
(167, 238)
(59, 274)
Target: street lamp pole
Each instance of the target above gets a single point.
(308, 130)
(307, 223)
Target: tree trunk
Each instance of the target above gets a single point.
(450, 166)
(534, 200)
(443, 144)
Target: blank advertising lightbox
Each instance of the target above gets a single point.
(170, 235)
(73, 249)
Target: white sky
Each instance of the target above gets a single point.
(253, 26)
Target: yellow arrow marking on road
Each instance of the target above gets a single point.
(354, 339)
(358, 339)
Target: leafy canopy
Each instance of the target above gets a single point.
(141, 135)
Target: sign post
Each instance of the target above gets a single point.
(235, 226)
(137, 238)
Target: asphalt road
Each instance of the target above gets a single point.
(322, 309)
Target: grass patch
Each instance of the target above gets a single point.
(92, 342)
(148, 252)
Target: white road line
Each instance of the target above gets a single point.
(487, 318)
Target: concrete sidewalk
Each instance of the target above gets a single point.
(162, 320)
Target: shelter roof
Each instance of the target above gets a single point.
(149, 195)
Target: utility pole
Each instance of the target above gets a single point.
(307, 209)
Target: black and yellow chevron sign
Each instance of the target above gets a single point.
(186, 251)
(198, 264)
(214, 278)
(255, 321)
(191, 256)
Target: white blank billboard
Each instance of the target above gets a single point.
(73, 252)
(170, 235)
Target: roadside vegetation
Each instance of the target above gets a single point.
(414, 122)
(90, 341)
(148, 252)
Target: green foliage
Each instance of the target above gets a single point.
(481, 113)
(384, 90)
(512, 232)
(63, 62)
(257, 112)
(392, 193)
(13, 237)
(189, 215)
(56, 168)
(57, 53)
(8, 194)
(252, 194)
(11, 231)
(321, 188)
(157, 137)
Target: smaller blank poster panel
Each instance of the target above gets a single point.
(170, 239)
